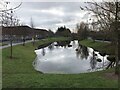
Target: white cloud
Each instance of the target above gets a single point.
(54, 11)
(51, 15)
(2, 7)
(59, 0)
(80, 14)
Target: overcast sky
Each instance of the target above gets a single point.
(51, 15)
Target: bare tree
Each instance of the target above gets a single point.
(5, 14)
(11, 8)
(117, 37)
(9, 20)
(107, 14)
(82, 29)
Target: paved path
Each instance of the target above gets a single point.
(100, 40)
(14, 44)
(103, 41)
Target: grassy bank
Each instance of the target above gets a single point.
(19, 72)
(100, 46)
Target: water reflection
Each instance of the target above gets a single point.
(75, 58)
(93, 61)
(111, 64)
(43, 45)
(43, 52)
(82, 52)
(63, 43)
(51, 47)
(102, 54)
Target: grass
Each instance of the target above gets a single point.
(19, 72)
(100, 46)
(0, 69)
(36, 80)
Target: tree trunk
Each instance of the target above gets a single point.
(117, 40)
(24, 41)
(11, 48)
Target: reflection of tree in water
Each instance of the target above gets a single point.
(44, 45)
(78, 52)
(43, 51)
(103, 55)
(85, 53)
(63, 43)
(111, 64)
(51, 47)
(93, 61)
(73, 43)
(82, 52)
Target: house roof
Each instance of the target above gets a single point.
(22, 30)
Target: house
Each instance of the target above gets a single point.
(20, 32)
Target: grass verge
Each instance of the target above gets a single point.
(99, 46)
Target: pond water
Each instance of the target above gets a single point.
(68, 57)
